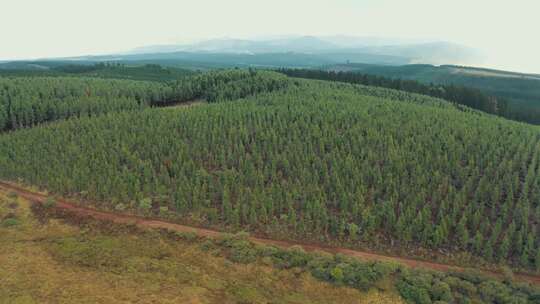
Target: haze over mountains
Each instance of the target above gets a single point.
(289, 51)
(404, 51)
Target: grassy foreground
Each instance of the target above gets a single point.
(45, 260)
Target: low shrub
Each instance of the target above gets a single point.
(266, 251)
(187, 236)
(242, 251)
(207, 245)
(292, 257)
(10, 222)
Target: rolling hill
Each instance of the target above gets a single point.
(308, 160)
(522, 90)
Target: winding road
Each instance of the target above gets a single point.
(141, 222)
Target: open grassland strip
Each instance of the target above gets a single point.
(160, 224)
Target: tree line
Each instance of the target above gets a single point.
(107, 70)
(415, 286)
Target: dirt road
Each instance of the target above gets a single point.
(159, 224)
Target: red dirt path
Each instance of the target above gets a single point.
(159, 224)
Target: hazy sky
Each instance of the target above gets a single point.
(507, 31)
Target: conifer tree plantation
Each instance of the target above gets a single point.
(305, 160)
(27, 101)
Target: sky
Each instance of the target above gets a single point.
(507, 32)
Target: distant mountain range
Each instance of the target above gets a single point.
(332, 47)
(295, 51)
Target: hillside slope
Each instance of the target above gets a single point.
(31, 100)
(522, 90)
(27, 101)
(314, 161)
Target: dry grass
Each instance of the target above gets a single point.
(58, 263)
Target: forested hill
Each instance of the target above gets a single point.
(108, 70)
(308, 160)
(461, 95)
(28, 101)
(522, 91)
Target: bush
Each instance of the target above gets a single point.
(13, 195)
(319, 267)
(348, 271)
(295, 256)
(187, 236)
(413, 294)
(496, 292)
(242, 251)
(10, 222)
(461, 299)
(386, 268)
(207, 245)
(239, 248)
(337, 274)
(490, 290)
(441, 291)
(461, 286)
(535, 297)
(267, 251)
(361, 275)
(472, 275)
(415, 286)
